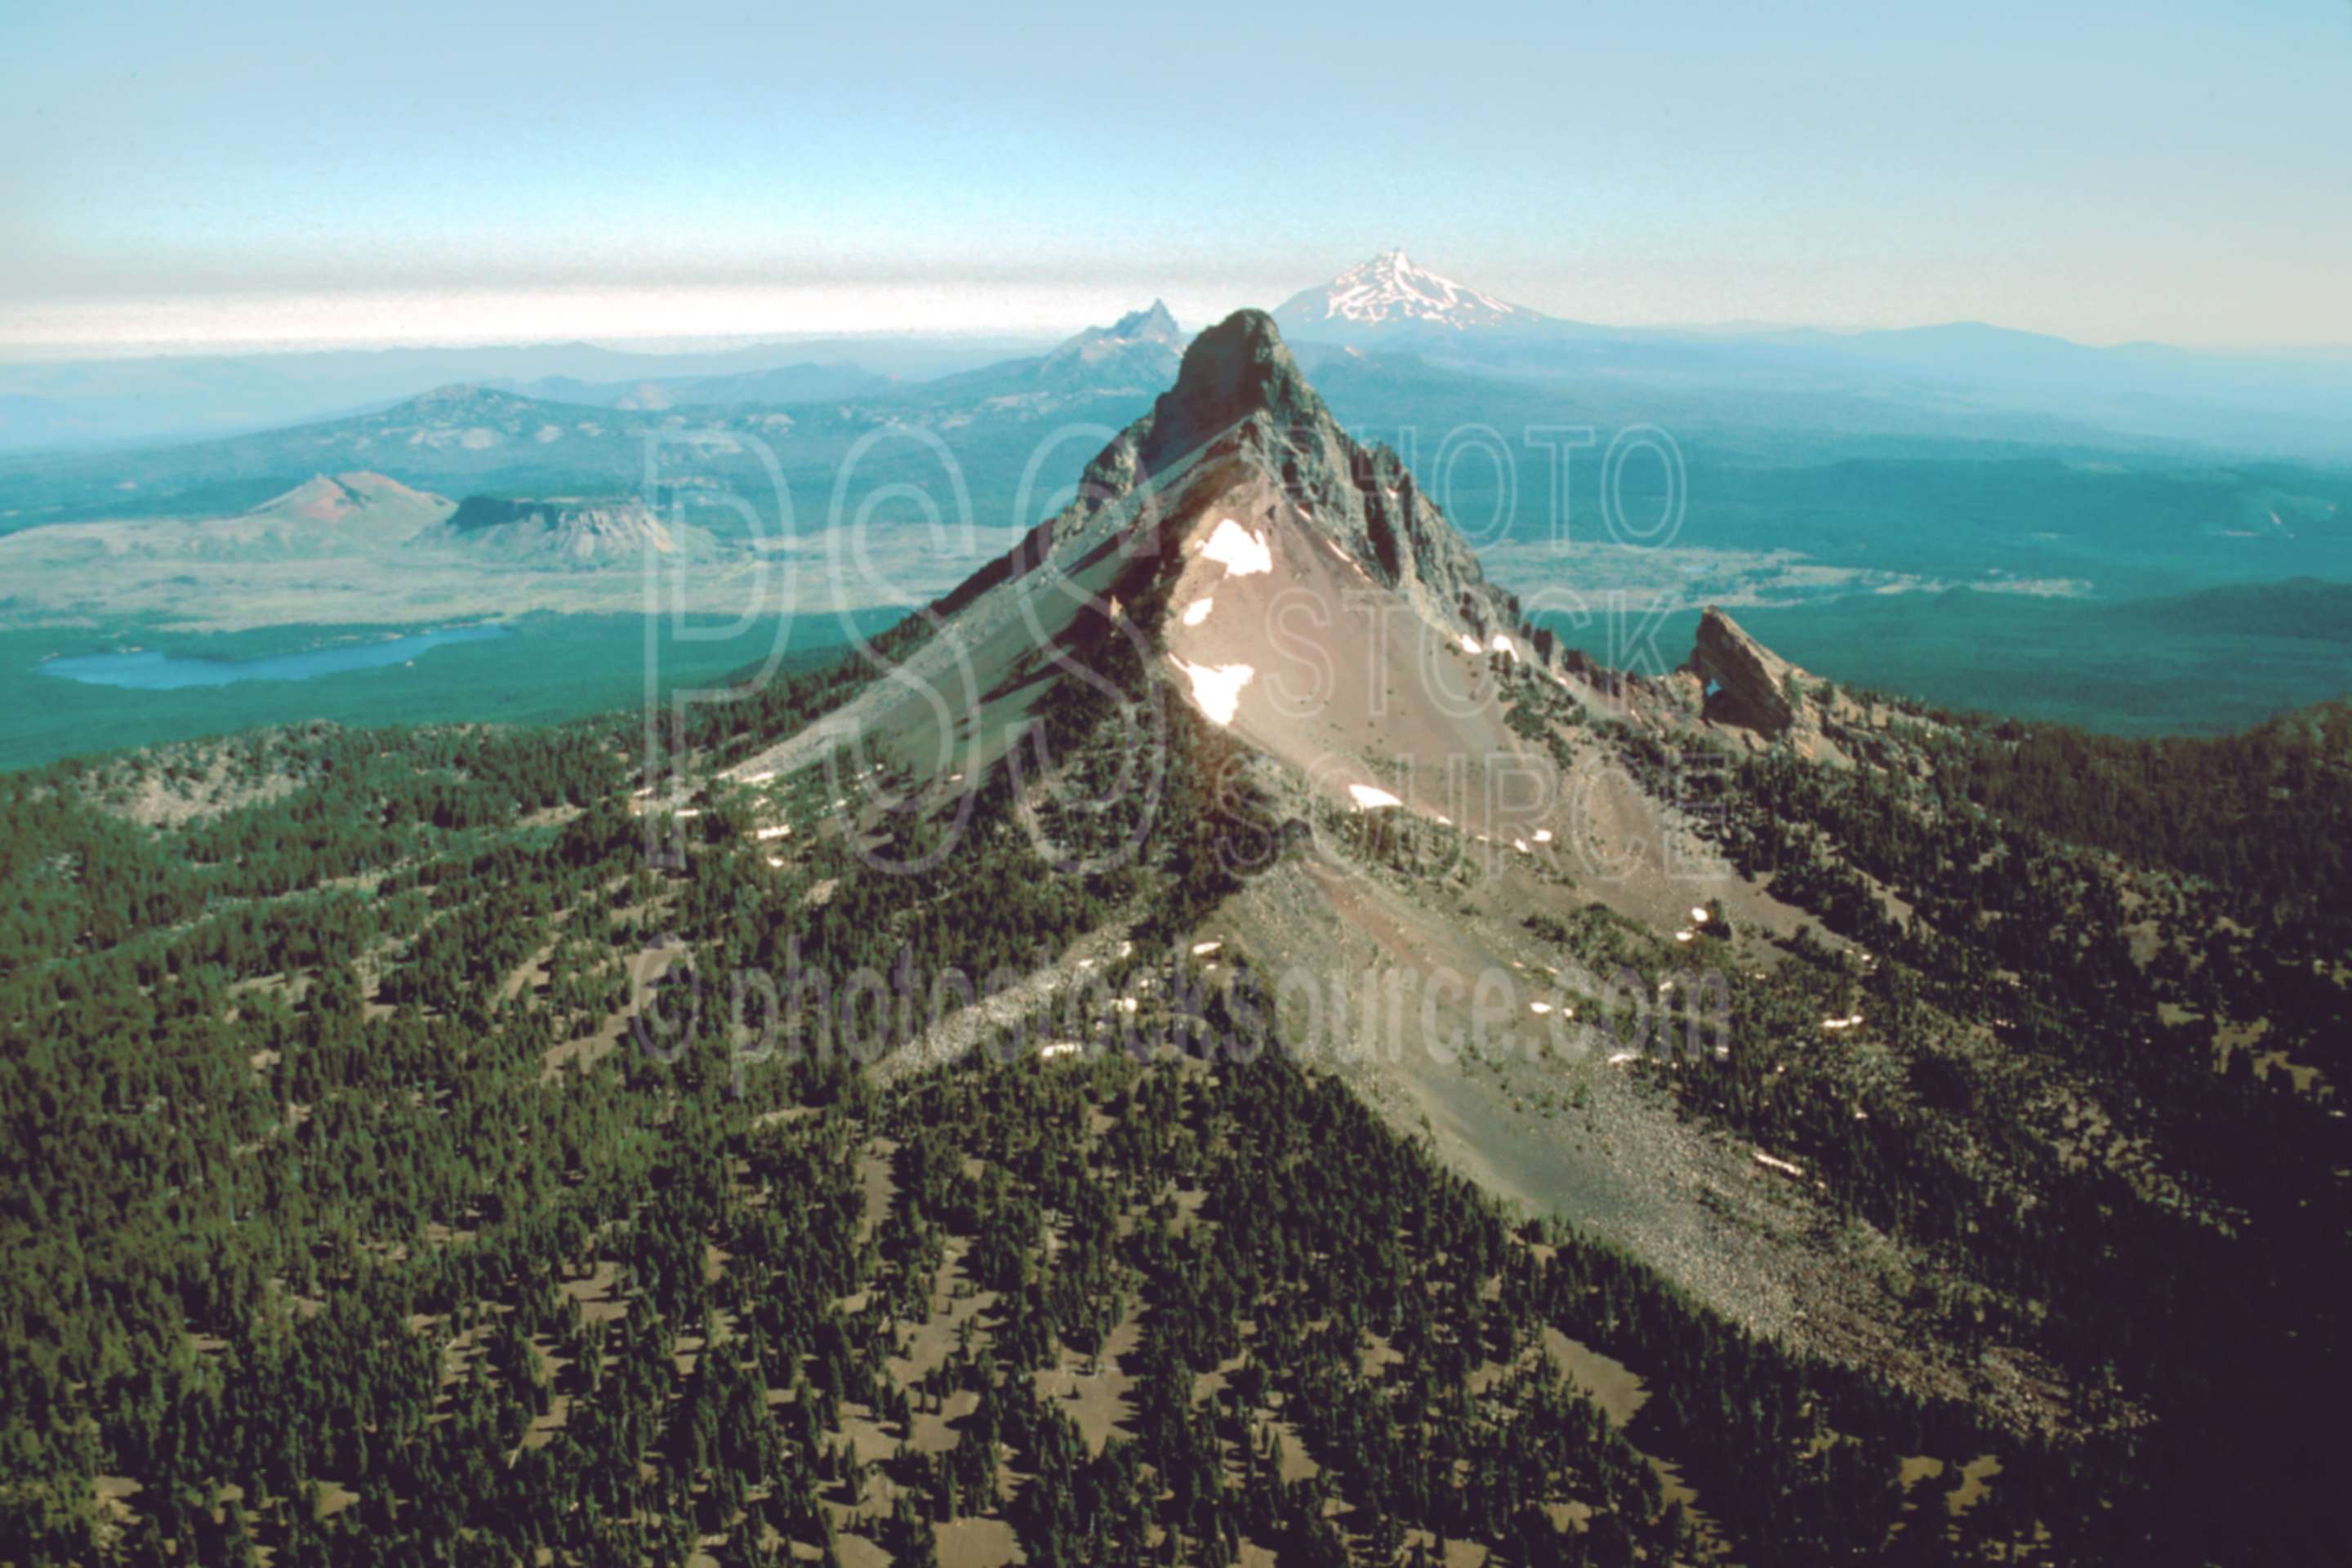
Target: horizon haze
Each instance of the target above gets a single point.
(300, 179)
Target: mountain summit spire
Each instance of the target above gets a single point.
(1237, 368)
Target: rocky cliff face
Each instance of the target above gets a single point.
(1733, 681)
(1744, 683)
(1199, 532)
(1240, 394)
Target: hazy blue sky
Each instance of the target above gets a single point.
(467, 170)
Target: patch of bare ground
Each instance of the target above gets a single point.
(190, 781)
(1094, 1390)
(876, 1185)
(977, 1544)
(596, 1293)
(530, 977)
(956, 1312)
(1621, 1392)
(1032, 996)
(642, 968)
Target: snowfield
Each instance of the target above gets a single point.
(1217, 689)
(1240, 552)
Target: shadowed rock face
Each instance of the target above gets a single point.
(1239, 448)
(1241, 398)
(1237, 369)
(1747, 684)
(1240, 391)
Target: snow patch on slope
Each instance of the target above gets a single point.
(1216, 688)
(1240, 552)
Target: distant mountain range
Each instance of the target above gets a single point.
(1388, 305)
(1136, 353)
(804, 383)
(192, 396)
(2289, 404)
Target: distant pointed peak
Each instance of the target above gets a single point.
(1392, 263)
(328, 497)
(312, 495)
(1154, 324)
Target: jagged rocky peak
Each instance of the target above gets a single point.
(1237, 369)
(1242, 435)
(1241, 392)
(1744, 683)
(1236, 500)
(1733, 681)
(1235, 372)
(1152, 324)
(1151, 333)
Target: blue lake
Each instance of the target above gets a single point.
(149, 671)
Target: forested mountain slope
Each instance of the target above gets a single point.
(390, 1180)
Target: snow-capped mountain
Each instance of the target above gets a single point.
(1388, 292)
